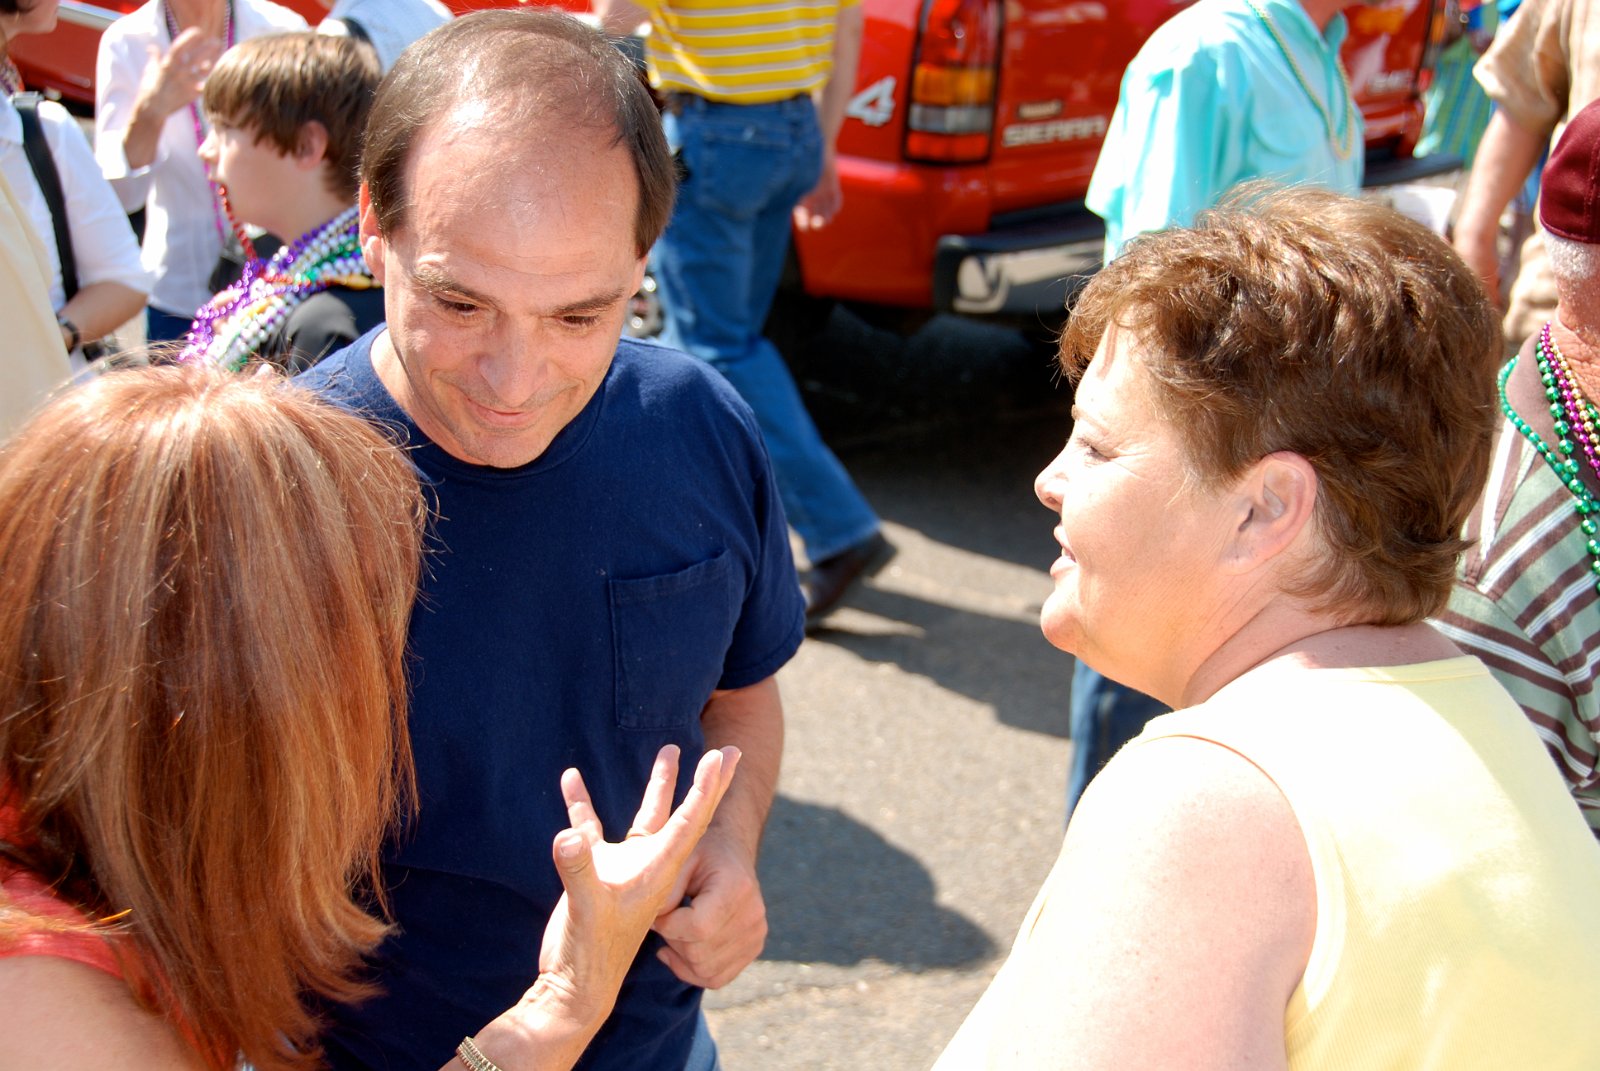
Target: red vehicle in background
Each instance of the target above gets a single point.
(970, 139)
(976, 124)
(63, 62)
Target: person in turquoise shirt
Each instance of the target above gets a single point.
(1224, 92)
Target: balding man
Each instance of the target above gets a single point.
(610, 568)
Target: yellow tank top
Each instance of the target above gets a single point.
(1458, 887)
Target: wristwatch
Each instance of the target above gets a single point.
(74, 336)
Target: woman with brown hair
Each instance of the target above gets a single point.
(205, 585)
(1347, 848)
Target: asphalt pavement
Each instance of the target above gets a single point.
(921, 800)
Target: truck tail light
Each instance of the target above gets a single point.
(953, 80)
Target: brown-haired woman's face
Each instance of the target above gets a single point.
(1140, 540)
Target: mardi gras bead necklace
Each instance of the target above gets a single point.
(1342, 146)
(233, 326)
(1573, 413)
(1580, 416)
(219, 213)
(10, 77)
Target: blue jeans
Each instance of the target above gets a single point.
(703, 1053)
(717, 269)
(160, 326)
(1104, 716)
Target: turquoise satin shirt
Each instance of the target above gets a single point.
(1211, 101)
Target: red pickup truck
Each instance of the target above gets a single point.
(971, 137)
(63, 61)
(975, 128)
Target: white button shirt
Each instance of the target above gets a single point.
(103, 245)
(181, 238)
(391, 24)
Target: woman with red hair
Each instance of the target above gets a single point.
(205, 585)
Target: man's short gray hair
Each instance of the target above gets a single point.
(1577, 264)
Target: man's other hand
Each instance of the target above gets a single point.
(723, 928)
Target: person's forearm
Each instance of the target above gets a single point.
(1506, 157)
(100, 308)
(619, 18)
(750, 719)
(142, 140)
(545, 1031)
(835, 97)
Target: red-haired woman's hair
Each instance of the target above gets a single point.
(205, 586)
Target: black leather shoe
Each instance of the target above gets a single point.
(826, 582)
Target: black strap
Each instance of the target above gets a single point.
(44, 172)
(356, 30)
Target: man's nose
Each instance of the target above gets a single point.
(515, 371)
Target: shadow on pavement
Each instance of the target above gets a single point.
(864, 384)
(839, 893)
(972, 487)
(960, 650)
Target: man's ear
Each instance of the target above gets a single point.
(1277, 499)
(373, 247)
(311, 145)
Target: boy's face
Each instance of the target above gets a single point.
(262, 182)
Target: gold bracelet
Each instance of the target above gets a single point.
(467, 1052)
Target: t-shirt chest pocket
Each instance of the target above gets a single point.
(669, 635)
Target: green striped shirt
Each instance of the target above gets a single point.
(1525, 599)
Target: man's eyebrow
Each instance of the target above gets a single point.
(598, 303)
(436, 282)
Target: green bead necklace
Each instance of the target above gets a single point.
(1558, 389)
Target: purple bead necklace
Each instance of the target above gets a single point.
(1578, 415)
(1574, 416)
(233, 327)
(10, 77)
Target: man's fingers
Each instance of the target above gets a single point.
(680, 924)
(657, 802)
(682, 968)
(707, 975)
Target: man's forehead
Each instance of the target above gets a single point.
(512, 130)
(488, 164)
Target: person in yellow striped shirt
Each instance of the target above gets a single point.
(755, 95)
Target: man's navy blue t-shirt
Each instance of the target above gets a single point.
(577, 611)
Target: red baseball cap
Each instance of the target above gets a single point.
(1569, 193)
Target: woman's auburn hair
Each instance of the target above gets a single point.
(1331, 327)
(205, 586)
